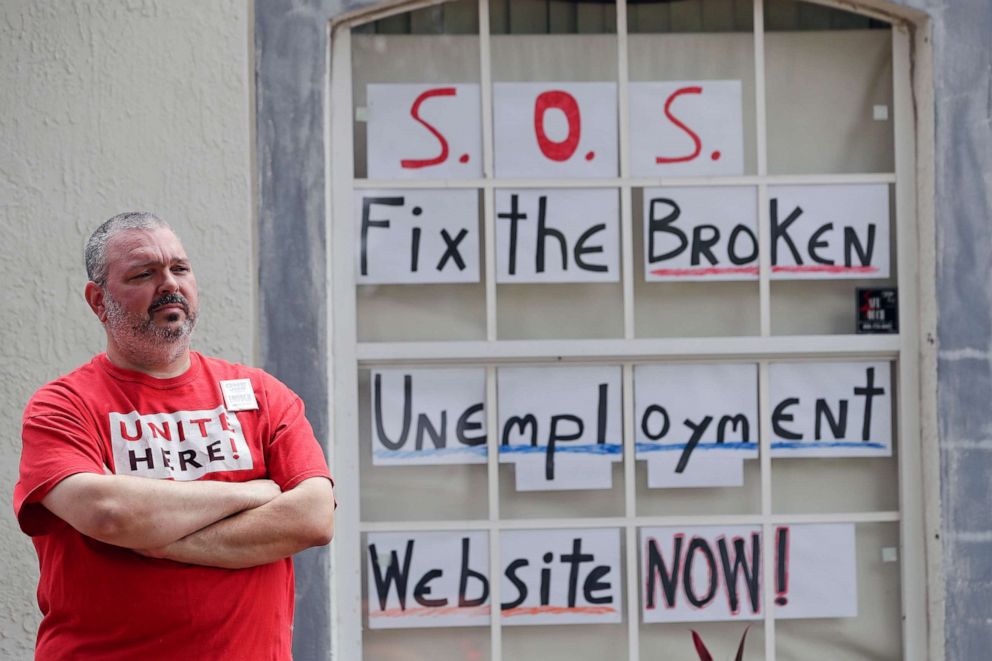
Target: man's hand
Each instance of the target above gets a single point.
(295, 520)
(138, 512)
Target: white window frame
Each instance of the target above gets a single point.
(915, 269)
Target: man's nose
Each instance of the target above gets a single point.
(169, 284)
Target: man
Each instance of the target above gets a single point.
(165, 491)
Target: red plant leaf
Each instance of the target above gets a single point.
(740, 649)
(704, 654)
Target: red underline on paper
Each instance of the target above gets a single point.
(431, 611)
(711, 270)
(753, 270)
(824, 268)
(559, 610)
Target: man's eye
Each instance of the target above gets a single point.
(180, 269)
(143, 274)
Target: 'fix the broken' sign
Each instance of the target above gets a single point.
(817, 232)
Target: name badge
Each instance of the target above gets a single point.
(239, 395)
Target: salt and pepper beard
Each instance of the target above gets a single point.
(144, 342)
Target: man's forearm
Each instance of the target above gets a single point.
(295, 520)
(137, 512)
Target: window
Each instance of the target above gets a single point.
(596, 273)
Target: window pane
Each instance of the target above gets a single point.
(448, 233)
(829, 91)
(839, 484)
(830, 306)
(876, 632)
(694, 42)
(433, 45)
(674, 307)
(673, 642)
(415, 493)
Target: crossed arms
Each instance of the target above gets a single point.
(219, 524)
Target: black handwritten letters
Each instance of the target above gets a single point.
(417, 236)
(442, 579)
(816, 232)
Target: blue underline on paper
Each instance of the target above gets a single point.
(813, 445)
(563, 447)
(382, 453)
(672, 447)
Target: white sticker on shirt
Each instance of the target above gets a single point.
(184, 445)
(239, 395)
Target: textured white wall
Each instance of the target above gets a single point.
(104, 107)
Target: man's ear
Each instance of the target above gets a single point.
(96, 298)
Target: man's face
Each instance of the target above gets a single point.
(150, 293)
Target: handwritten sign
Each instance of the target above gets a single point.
(696, 423)
(829, 231)
(817, 232)
(424, 131)
(697, 574)
(831, 409)
(560, 426)
(697, 233)
(417, 236)
(428, 579)
(555, 130)
(561, 576)
(558, 235)
(687, 128)
(428, 416)
(441, 579)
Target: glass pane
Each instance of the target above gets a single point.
(563, 248)
(415, 493)
(830, 306)
(676, 308)
(515, 504)
(430, 311)
(839, 484)
(566, 642)
(876, 632)
(673, 642)
(648, 16)
(418, 643)
(551, 17)
(434, 45)
(829, 90)
(700, 500)
(695, 42)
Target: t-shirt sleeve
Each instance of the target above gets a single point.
(292, 452)
(56, 443)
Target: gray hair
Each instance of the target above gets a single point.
(95, 254)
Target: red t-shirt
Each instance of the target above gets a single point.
(105, 602)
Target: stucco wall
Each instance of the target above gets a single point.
(108, 106)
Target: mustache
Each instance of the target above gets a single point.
(169, 299)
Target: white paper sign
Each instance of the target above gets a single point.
(829, 231)
(547, 413)
(817, 232)
(569, 235)
(831, 409)
(701, 233)
(555, 130)
(560, 576)
(692, 128)
(417, 236)
(424, 131)
(696, 423)
(428, 579)
(428, 416)
(697, 574)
